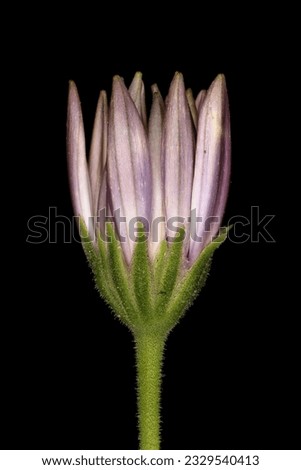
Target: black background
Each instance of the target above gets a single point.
(230, 371)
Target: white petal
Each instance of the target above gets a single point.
(155, 130)
(77, 162)
(212, 165)
(98, 149)
(178, 154)
(137, 93)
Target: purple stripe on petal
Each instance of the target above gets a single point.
(225, 167)
(98, 149)
(103, 210)
(200, 100)
(212, 165)
(192, 107)
(77, 163)
(178, 152)
(129, 172)
(137, 93)
(155, 130)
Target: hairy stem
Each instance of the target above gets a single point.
(149, 358)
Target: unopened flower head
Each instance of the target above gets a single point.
(164, 175)
(168, 170)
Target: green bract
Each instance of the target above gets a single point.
(147, 296)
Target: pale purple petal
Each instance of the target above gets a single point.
(103, 210)
(137, 93)
(212, 165)
(200, 100)
(77, 163)
(129, 172)
(192, 107)
(98, 149)
(155, 129)
(178, 152)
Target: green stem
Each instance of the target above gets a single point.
(149, 357)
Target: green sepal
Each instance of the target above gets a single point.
(99, 262)
(142, 275)
(87, 244)
(167, 277)
(105, 282)
(121, 276)
(159, 262)
(149, 297)
(188, 288)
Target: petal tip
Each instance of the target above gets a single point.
(154, 88)
(177, 83)
(73, 89)
(178, 77)
(117, 79)
(118, 85)
(219, 82)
